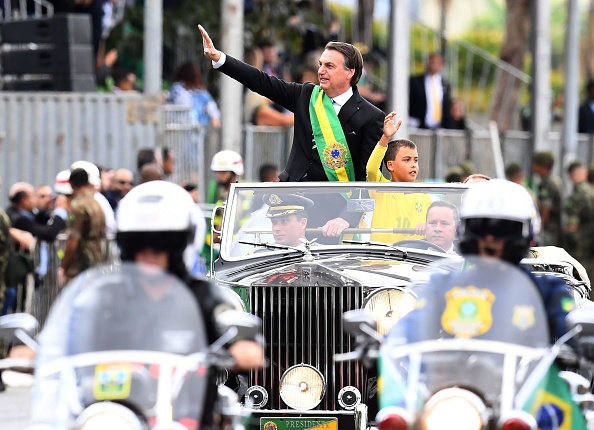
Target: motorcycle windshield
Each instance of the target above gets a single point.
(122, 333)
(483, 329)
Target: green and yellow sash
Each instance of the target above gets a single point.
(330, 139)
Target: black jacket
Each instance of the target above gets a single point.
(417, 101)
(361, 122)
(46, 232)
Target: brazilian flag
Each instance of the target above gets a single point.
(552, 406)
(390, 385)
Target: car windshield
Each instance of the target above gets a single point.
(285, 216)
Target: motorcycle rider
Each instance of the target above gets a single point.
(158, 224)
(498, 219)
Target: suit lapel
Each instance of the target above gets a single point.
(350, 107)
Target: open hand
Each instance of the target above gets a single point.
(390, 127)
(209, 49)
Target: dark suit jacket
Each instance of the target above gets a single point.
(417, 101)
(361, 122)
(44, 232)
(585, 119)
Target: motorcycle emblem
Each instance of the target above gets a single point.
(112, 381)
(468, 311)
(523, 317)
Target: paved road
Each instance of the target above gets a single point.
(15, 405)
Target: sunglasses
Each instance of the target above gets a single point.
(122, 182)
(498, 228)
(43, 196)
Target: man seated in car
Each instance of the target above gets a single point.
(442, 224)
(288, 215)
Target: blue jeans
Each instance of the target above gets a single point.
(10, 299)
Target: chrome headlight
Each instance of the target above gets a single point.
(302, 387)
(388, 305)
(107, 415)
(454, 408)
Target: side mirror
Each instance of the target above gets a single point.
(360, 205)
(248, 326)
(583, 317)
(358, 321)
(12, 323)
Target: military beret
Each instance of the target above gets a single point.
(285, 204)
(543, 158)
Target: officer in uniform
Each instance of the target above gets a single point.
(158, 224)
(548, 197)
(579, 211)
(288, 215)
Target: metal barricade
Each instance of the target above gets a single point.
(265, 145)
(47, 289)
(192, 144)
(425, 141)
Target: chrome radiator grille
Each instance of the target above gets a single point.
(303, 324)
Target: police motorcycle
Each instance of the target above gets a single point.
(475, 353)
(125, 347)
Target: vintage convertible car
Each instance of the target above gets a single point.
(300, 281)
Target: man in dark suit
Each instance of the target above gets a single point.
(586, 112)
(20, 212)
(361, 123)
(429, 96)
(339, 72)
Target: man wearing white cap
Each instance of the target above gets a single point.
(95, 179)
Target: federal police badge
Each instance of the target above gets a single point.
(523, 317)
(468, 311)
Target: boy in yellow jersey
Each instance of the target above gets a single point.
(396, 210)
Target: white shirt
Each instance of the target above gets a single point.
(339, 101)
(110, 223)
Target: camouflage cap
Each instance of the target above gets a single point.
(285, 204)
(543, 158)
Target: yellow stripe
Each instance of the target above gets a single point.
(323, 119)
(342, 174)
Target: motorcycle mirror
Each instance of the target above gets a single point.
(11, 323)
(359, 321)
(583, 317)
(248, 326)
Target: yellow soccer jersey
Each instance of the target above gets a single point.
(398, 210)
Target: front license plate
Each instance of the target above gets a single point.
(299, 423)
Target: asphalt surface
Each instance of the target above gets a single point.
(15, 405)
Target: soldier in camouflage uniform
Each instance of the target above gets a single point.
(85, 230)
(579, 210)
(548, 197)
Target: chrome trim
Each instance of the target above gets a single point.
(309, 317)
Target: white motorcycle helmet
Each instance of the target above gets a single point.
(227, 161)
(503, 209)
(162, 216)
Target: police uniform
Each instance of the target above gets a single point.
(86, 223)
